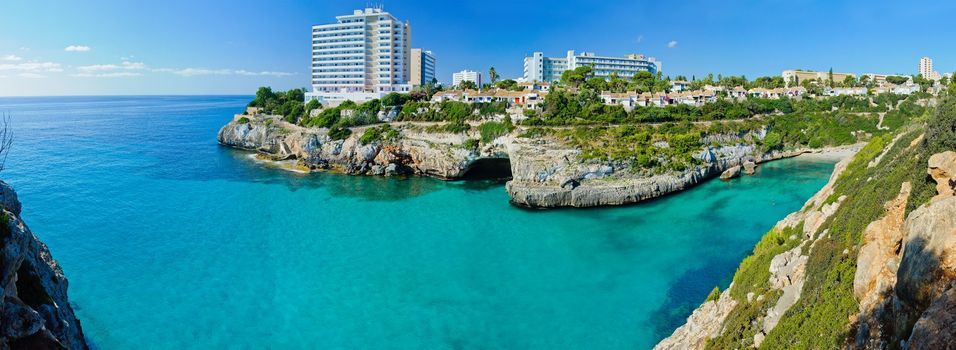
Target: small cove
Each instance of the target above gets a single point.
(172, 241)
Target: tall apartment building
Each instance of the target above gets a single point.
(360, 57)
(926, 69)
(466, 75)
(422, 67)
(549, 69)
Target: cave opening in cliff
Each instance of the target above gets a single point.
(494, 169)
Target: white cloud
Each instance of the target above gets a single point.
(32, 67)
(190, 72)
(77, 48)
(11, 58)
(107, 75)
(639, 39)
(671, 44)
(31, 75)
(125, 65)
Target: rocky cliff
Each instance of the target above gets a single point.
(546, 171)
(868, 263)
(35, 313)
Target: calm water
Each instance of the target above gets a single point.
(171, 241)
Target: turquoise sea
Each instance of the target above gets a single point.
(171, 241)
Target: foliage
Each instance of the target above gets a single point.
(339, 133)
(492, 130)
(243, 120)
(380, 133)
(714, 294)
(288, 104)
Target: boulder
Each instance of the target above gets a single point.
(936, 328)
(730, 173)
(928, 265)
(879, 258)
(749, 167)
(942, 167)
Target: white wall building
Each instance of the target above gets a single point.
(926, 69)
(422, 67)
(360, 57)
(549, 69)
(466, 75)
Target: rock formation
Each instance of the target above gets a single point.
(546, 172)
(730, 173)
(35, 313)
(905, 279)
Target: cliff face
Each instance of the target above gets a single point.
(858, 267)
(35, 313)
(546, 172)
(417, 152)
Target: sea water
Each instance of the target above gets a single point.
(171, 241)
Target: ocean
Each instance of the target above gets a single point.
(171, 241)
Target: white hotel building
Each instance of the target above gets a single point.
(360, 57)
(538, 68)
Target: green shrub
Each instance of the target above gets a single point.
(243, 120)
(714, 294)
(492, 130)
(339, 133)
(470, 144)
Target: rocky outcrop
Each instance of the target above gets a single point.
(35, 312)
(730, 173)
(936, 328)
(416, 152)
(749, 167)
(546, 172)
(942, 167)
(786, 274)
(703, 324)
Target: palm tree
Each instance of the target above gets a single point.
(493, 75)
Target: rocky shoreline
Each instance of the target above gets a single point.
(36, 312)
(545, 172)
(904, 282)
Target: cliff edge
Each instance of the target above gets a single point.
(36, 312)
(869, 262)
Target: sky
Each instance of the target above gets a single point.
(122, 47)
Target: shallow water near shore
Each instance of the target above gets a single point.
(171, 241)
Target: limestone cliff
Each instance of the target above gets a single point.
(857, 269)
(546, 172)
(35, 313)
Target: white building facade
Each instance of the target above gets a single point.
(538, 68)
(466, 75)
(422, 67)
(360, 57)
(926, 69)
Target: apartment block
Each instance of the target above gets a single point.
(360, 57)
(538, 68)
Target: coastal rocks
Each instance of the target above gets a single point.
(703, 324)
(942, 167)
(730, 173)
(35, 312)
(928, 265)
(879, 255)
(415, 152)
(936, 328)
(749, 167)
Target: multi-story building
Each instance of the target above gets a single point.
(926, 69)
(795, 77)
(466, 75)
(549, 69)
(361, 56)
(422, 67)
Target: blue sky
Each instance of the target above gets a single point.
(231, 47)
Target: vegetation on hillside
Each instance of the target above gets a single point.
(820, 319)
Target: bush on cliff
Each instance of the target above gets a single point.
(339, 133)
(492, 130)
(244, 120)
